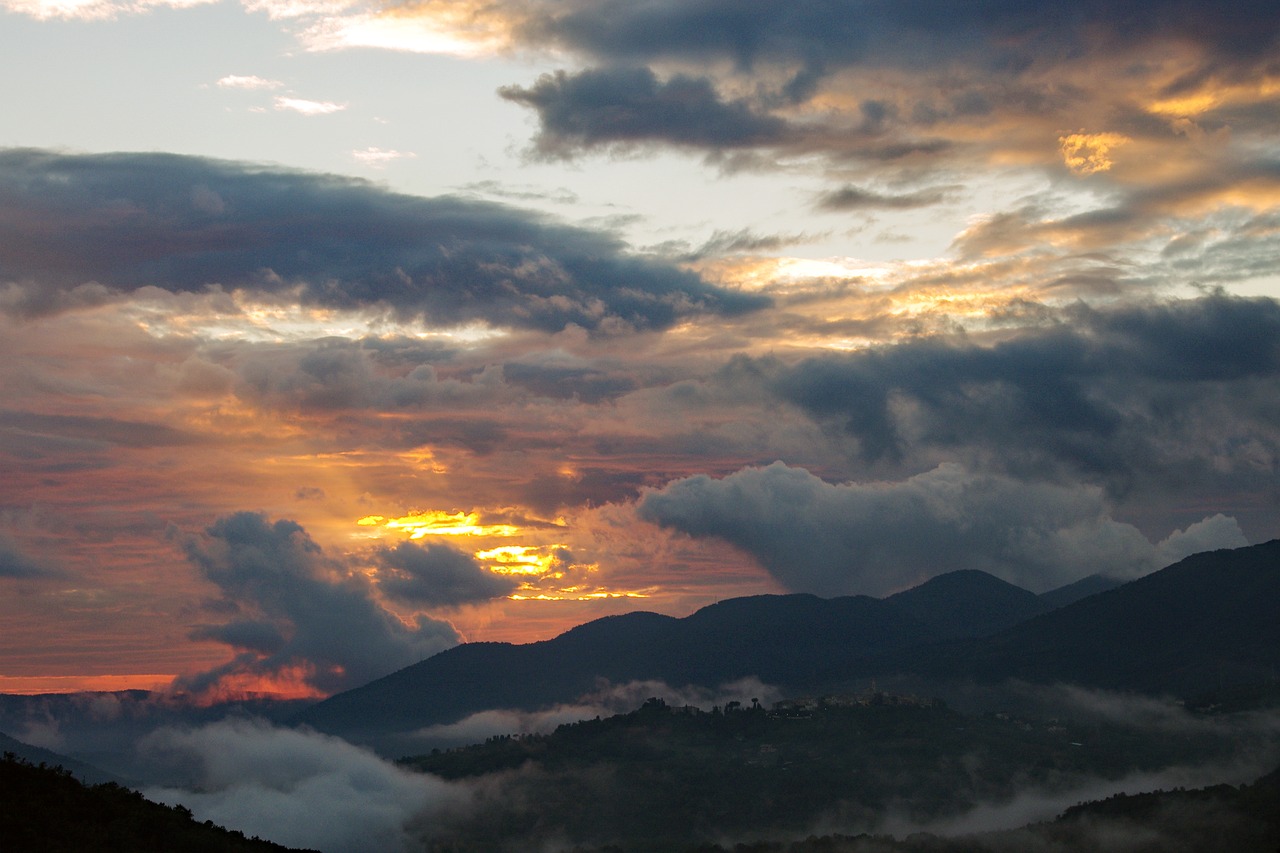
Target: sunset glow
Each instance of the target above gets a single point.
(334, 333)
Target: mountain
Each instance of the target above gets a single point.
(47, 809)
(678, 779)
(970, 603)
(789, 640)
(86, 773)
(1083, 588)
(1205, 622)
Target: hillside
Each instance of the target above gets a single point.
(795, 641)
(47, 809)
(664, 778)
(1206, 622)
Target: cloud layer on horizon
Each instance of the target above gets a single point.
(879, 538)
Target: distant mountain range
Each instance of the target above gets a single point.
(1205, 622)
(38, 755)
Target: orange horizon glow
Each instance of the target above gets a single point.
(36, 685)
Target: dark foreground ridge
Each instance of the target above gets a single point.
(1206, 622)
(47, 809)
(668, 779)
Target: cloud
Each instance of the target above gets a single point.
(307, 107)
(120, 222)
(1124, 396)
(15, 563)
(95, 430)
(91, 10)
(876, 538)
(296, 788)
(850, 197)
(437, 575)
(1218, 531)
(1003, 34)
(605, 701)
(251, 81)
(299, 613)
(378, 158)
(621, 106)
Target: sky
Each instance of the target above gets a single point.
(333, 334)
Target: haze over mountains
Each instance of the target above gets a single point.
(1206, 621)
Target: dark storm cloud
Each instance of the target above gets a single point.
(601, 107)
(75, 228)
(875, 538)
(1177, 389)
(300, 610)
(16, 563)
(826, 34)
(437, 576)
(961, 62)
(857, 198)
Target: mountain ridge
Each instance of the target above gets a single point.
(788, 639)
(1203, 622)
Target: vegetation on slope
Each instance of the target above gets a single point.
(46, 809)
(662, 778)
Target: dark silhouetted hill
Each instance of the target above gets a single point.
(44, 808)
(795, 641)
(670, 779)
(1206, 622)
(1081, 589)
(86, 773)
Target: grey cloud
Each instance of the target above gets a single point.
(969, 62)
(302, 610)
(585, 486)
(586, 383)
(875, 538)
(437, 575)
(745, 240)
(95, 432)
(1163, 390)
(606, 700)
(826, 34)
(856, 198)
(343, 375)
(296, 787)
(120, 222)
(16, 563)
(622, 106)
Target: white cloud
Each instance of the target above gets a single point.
(306, 107)
(236, 81)
(295, 787)
(278, 10)
(91, 10)
(378, 157)
(876, 538)
(606, 701)
(389, 31)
